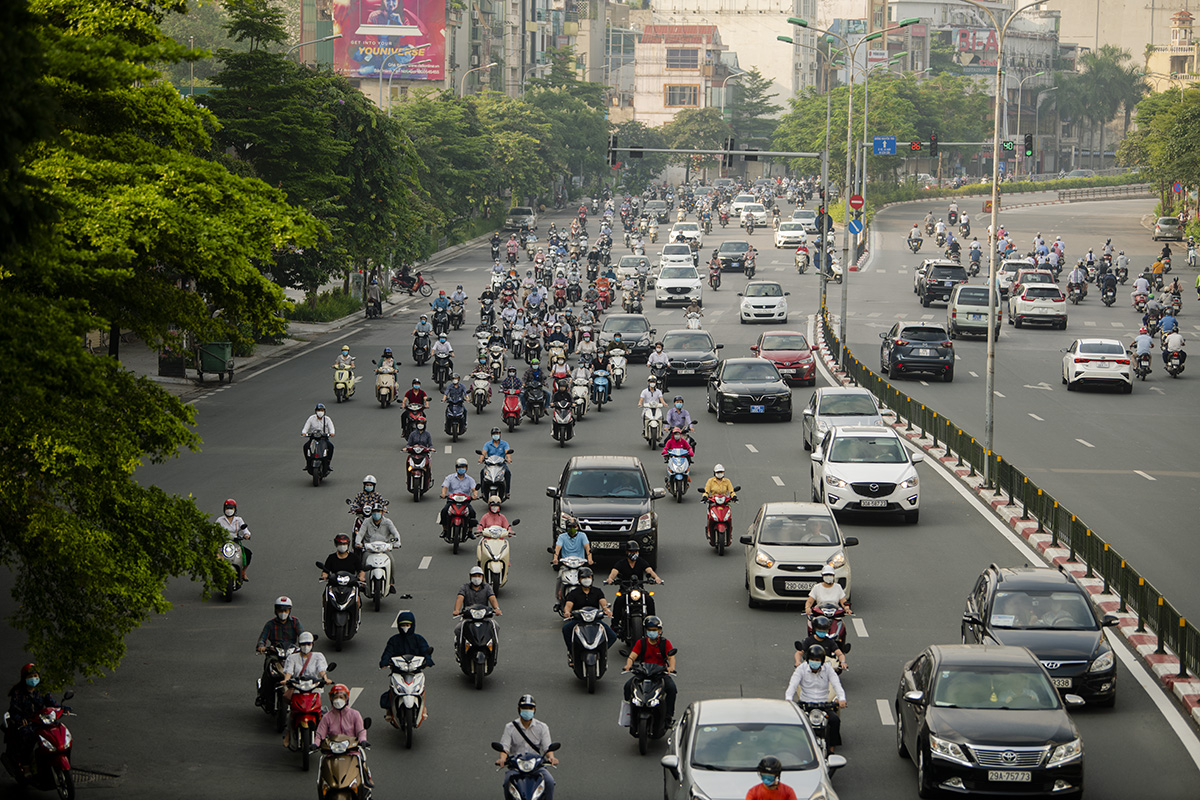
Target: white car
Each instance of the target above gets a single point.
(866, 468)
(1007, 271)
(791, 233)
(808, 217)
(1097, 361)
(678, 283)
(830, 406)
(787, 546)
(690, 230)
(758, 211)
(763, 301)
(740, 202)
(676, 254)
(1040, 303)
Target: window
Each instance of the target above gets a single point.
(682, 95)
(683, 59)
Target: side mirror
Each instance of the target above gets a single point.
(499, 748)
(367, 724)
(349, 501)
(846, 647)
(658, 494)
(785, 294)
(817, 457)
(917, 458)
(68, 694)
(746, 540)
(737, 488)
(834, 763)
(671, 765)
(624, 653)
(430, 652)
(850, 541)
(551, 491)
(320, 565)
(372, 361)
(753, 348)
(915, 697)
(550, 550)
(972, 619)
(515, 522)
(553, 746)
(883, 335)
(722, 347)
(739, 294)
(700, 490)
(1110, 621)
(511, 451)
(673, 651)
(332, 665)
(808, 412)
(478, 452)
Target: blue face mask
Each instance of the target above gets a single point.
(377, 516)
(679, 405)
(769, 780)
(652, 635)
(822, 634)
(461, 470)
(32, 682)
(495, 437)
(815, 665)
(527, 714)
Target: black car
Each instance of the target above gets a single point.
(984, 719)
(939, 280)
(920, 347)
(635, 331)
(733, 255)
(1046, 610)
(748, 386)
(691, 354)
(658, 210)
(611, 500)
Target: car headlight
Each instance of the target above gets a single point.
(944, 748)
(645, 521)
(838, 560)
(763, 559)
(836, 482)
(910, 483)
(1065, 752)
(1103, 662)
(878, 422)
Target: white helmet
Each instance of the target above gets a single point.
(370, 479)
(718, 469)
(305, 638)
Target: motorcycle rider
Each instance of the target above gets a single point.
(423, 326)
(528, 735)
(719, 484)
(368, 496)
(914, 233)
(632, 566)
(282, 630)
(342, 720)
(657, 358)
(558, 337)
(232, 524)
(386, 361)
(1108, 282)
(1142, 344)
(343, 559)
(827, 591)
(496, 446)
(1140, 286)
(441, 302)
(443, 348)
(814, 678)
(379, 528)
(571, 543)
(675, 441)
(1174, 343)
(1078, 277)
(373, 296)
(475, 592)
(514, 384)
(458, 482)
(455, 392)
(458, 296)
(535, 374)
(821, 635)
(416, 395)
(24, 704)
(585, 596)
(654, 648)
(344, 359)
(586, 348)
(770, 769)
(407, 642)
(318, 421)
(305, 664)
(651, 394)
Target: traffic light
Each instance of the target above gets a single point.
(727, 158)
(1007, 145)
(612, 150)
(933, 142)
(1028, 144)
(914, 147)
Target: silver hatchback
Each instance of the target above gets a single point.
(1168, 228)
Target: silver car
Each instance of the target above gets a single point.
(787, 546)
(832, 406)
(716, 745)
(1168, 228)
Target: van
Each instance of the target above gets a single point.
(967, 311)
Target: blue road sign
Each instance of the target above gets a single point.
(856, 225)
(885, 145)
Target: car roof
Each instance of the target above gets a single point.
(825, 391)
(1094, 340)
(620, 462)
(904, 325)
(744, 360)
(857, 431)
(943, 262)
(746, 709)
(1033, 578)
(764, 283)
(790, 507)
(734, 241)
(687, 330)
(627, 316)
(983, 655)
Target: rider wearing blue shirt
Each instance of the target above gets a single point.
(498, 447)
(441, 303)
(1168, 323)
(572, 542)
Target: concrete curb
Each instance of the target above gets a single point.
(1163, 666)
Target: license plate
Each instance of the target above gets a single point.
(758, 409)
(1103, 364)
(924, 352)
(603, 545)
(1060, 683)
(947, 283)
(1009, 776)
(798, 586)
(871, 503)
(975, 317)
(787, 371)
(685, 372)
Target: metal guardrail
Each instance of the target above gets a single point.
(1137, 595)
(1107, 192)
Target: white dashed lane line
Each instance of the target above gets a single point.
(860, 628)
(1144, 475)
(449, 449)
(1084, 443)
(885, 712)
(1035, 416)
(752, 448)
(425, 562)
(778, 480)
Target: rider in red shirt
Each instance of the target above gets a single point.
(416, 395)
(771, 788)
(677, 440)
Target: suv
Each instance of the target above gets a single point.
(1046, 610)
(1038, 303)
(1007, 272)
(733, 253)
(677, 253)
(807, 217)
(657, 209)
(519, 217)
(967, 311)
(917, 347)
(611, 500)
(635, 332)
(939, 279)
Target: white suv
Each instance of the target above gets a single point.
(1038, 302)
(866, 468)
(1007, 271)
(763, 301)
(740, 202)
(690, 230)
(677, 283)
(676, 254)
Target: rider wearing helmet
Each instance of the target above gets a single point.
(584, 596)
(368, 496)
(319, 422)
(496, 446)
(651, 395)
(406, 642)
(387, 360)
(814, 678)
(458, 482)
(679, 417)
(719, 484)
(632, 567)
(677, 441)
(526, 735)
(823, 636)
(344, 359)
(344, 558)
(342, 720)
(771, 787)
(282, 630)
(571, 542)
(654, 648)
(234, 527)
(306, 664)
(25, 703)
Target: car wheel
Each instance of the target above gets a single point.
(657, 304)
(912, 517)
(720, 417)
(750, 601)
(924, 787)
(1017, 322)
(787, 417)
(1129, 388)
(953, 332)
(901, 747)
(1071, 385)
(948, 377)
(1107, 702)
(925, 301)
(806, 443)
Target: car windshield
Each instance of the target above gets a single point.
(521, 211)
(993, 687)
(1168, 221)
(787, 341)
(957, 273)
(625, 325)
(923, 334)
(739, 747)
(605, 483)
(1037, 277)
(687, 226)
(633, 261)
(847, 405)
(744, 198)
(677, 250)
(973, 297)
(804, 213)
(1027, 610)
(763, 290)
(791, 226)
(656, 204)
(679, 272)
(733, 248)
(1101, 349)
(687, 341)
(797, 529)
(1042, 293)
(754, 373)
(755, 207)
(867, 450)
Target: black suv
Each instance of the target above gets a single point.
(658, 210)
(611, 500)
(981, 719)
(733, 255)
(1046, 610)
(919, 347)
(939, 281)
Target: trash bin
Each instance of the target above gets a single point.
(215, 357)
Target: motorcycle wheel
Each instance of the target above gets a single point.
(679, 492)
(494, 580)
(720, 545)
(643, 734)
(634, 629)
(377, 592)
(64, 783)
(229, 587)
(409, 721)
(316, 476)
(340, 394)
(590, 677)
(454, 537)
(339, 634)
(512, 423)
(280, 713)
(383, 402)
(479, 405)
(426, 290)
(305, 747)
(416, 493)
(478, 671)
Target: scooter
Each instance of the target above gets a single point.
(342, 775)
(749, 269)
(457, 315)
(647, 714)
(661, 374)
(270, 699)
(535, 399)
(377, 563)
(459, 516)
(492, 553)
(406, 694)
(51, 764)
(1139, 302)
(524, 779)
(601, 392)
(1076, 293)
(579, 396)
(234, 554)
(563, 418)
(714, 277)
(802, 260)
(678, 472)
(940, 239)
(693, 320)
(479, 646)
(1108, 296)
(442, 367)
(533, 347)
(441, 321)
(652, 422)
(973, 269)
(422, 348)
(456, 419)
(419, 475)
(589, 646)
(385, 385)
(492, 480)
(510, 410)
(318, 450)
(616, 366)
(1174, 363)
(952, 217)
(574, 291)
(419, 284)
(304, 715)
(481, 390)
(567, 578)
(1142, 366)
(343, 383)
(487, 312)
(837, 625)
(340, 611)
(413, 413)
(496, 361)
(1176, 304)
(719, 525)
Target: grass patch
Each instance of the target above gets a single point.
(324, 307)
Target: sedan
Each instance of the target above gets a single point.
(756, 210)
(838, 405)
(807, 217)
(748, 386)
(790, 233)
(787, 546)
(689, 230)
(865, 468)
(763, 301)
(716, 746)
(628, 266)
(1102, 361)
(740, 202)
(982, 719)
(733, 254)
(635, 332)
(791, 354)
(1039, 303)
(921, 347)
(690, 354)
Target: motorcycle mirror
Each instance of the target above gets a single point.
(553, 746)
(515, 523)
(332, 664)
(372, 361)
(845, 647)
(673, 651)
(700, 490)
(243, 527)
(349, 501)
(511, 451)
(478, 452)
(320, 565)
(499, 748)
(550, 550)
(624, 653)
(367, 724)
(67, 695)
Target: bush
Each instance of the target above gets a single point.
(324, 307)
(883, 193)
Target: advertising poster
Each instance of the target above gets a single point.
(367, 48)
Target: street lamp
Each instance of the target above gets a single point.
(295, 47)
(525, 74)
(462, 85)
(853, 51)
(722, 86)
(1037, 110)
(862, 162)
(1172, 77)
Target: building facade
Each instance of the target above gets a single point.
(676, 67)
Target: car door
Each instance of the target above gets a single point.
(916, 678)
(976, 600)
(1069, 359)
(809, 420)
(818, 467)
(713, 381)
(885, 349)
(752, 548)
(680, 740)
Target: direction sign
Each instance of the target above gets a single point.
(856, 226)
(885, 145)
(857, 202)
(1177, 188)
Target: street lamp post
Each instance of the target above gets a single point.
(525, 74)
(296, 47)
(462, 85)
(846, 186)
(722, 86)
(1037, 111)
(862, 162)
(1020, 88)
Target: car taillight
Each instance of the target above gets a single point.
(954, 314)
(947, 343)
(1124, 361)
(1059, 299)
(900, 342)
(1083, 360)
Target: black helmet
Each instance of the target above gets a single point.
(815, 653)
(585, 572)
(495, 430)
(770, 765)
(341, 538)
(652, 622)
(632, 547)
(677, 399)
(526, 701)
(822, 624)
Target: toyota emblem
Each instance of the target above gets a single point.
(1051, 664)
(1008, 757)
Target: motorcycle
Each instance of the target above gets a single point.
(647, 712)
(418, 471)
(304, 715)
(724, 218)
(714, 276)
(652, 424)
(929, 229)
(617, 366)
(601, 391)
(481, 390)
(802, 260)
(318, 450)
(422, 348)
(413, 413)
(442, 368)
(574, 291)
(418, 284)
(1075, 293)
(456, 419)
(589, 646)
(837, 624)
(560, 297)
(952, 217)
(339, 611)
(678, 472)
(492, 483)
(377, 563)
(563, 418)
(341, 776)
(385, 385)
(567, 578)
(440, 320)
(479, 646)
(974, 268)
(661, 371)
(533, 347)
(719, 526)
(1139, 302)
(270, 698)
(750, 268)
(1108, 296)
(50, 767)
(459, 516)
(524, 780)
(487, 312)
(1142, 366)
(1176, 304)
(510, 409)
(492, 553)
(343, 383)
(940, 239)
(818, 720)
(1174, 363)
(535, 401)
(234, 554)
(964, 229)
(632, 603)
(406, 695)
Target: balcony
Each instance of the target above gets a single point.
(1175, 49)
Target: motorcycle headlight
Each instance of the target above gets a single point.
(1103, 662)
(838, 560)
(944, 748)
(910, 483)
(764, 559)
(635, 595)
(1065, 752)
(835, 482)
(645, 521)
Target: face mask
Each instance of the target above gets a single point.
(652, 635)
(827, 578)
(368, 487)
(527, 714)
(495, 437)
(456, 381)
(405, 628)
(476, 580)
(679, 405)
(768, 780)
(339, 703)
(229, 512)
(343, 548)
(814, 665)
(461, 470)
(421, 426)
(442, 339)
(320, 414)
(572, 533)
(585, 582)
(306, 648)
(282, 616)
(32, 681)
(822, 634)
(377, 516)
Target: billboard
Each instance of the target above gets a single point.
(366, 49)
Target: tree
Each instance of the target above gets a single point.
(578, 140)
(697, 129)
(202, 25)
(943, 58)
(638, 173)
(563, 75)
(751, 114)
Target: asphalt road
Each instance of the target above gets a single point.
(1121, 462)
(177, 718)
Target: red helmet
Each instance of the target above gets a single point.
(341, 538)
(339, 688)
(28, 669)
(231, 503)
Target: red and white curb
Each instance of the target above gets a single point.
(1164, 666)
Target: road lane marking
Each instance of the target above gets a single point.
(1152, 388)
(972, 374)
(1087, 323)
(923, 383)
(1144, 475)
(927, 316)
(860, 628)
(875, 314)
(997, 394)
(752, 448)
(957, 357)
(779, 481)
(881, 271)
(1085, 444)
(885, 712)
(1117, 324)
(1035, 416)
(449, 449)
(303, 351)
(355, 691)
(425, 562)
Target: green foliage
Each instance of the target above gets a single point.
(943, 57)
(698, 129)
(204, 24)
(751, 111)
(637, 173)
(562, 75)
(577, 141)
(324, 307)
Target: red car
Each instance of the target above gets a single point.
(791, 353)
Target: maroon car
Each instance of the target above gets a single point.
(790, 352)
